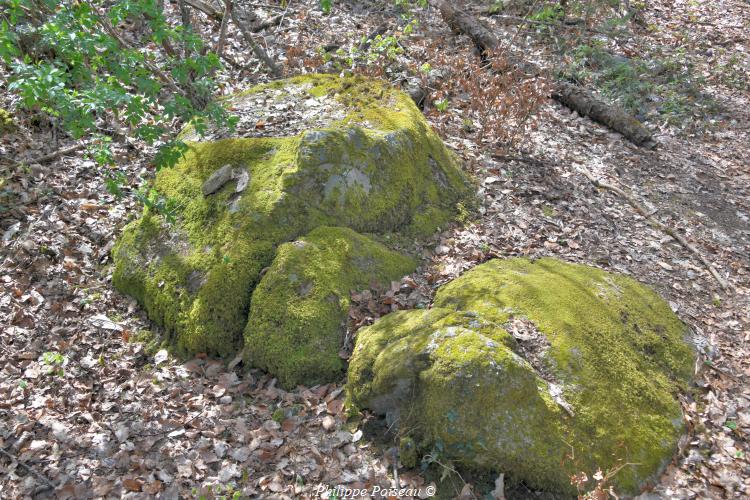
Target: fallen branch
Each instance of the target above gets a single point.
(47, 483)
(243, 18)
(271, 21)
(580, 100)
(216, 13)
(51, 156)
(223, 28)
(58, 153)
(206, 8)
(567, 23)
(163, 431)
(568, 94)
(719, 370)
(658, 224)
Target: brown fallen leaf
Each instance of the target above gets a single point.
(152, 488)
(289, 424)
(132, 484)
(335, 407)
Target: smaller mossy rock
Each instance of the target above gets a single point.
(538, 369)
(299, 309)
(355, 152)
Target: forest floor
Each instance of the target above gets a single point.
(87, 410)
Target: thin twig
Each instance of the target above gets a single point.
(283, 14)
(432, 458)
(660, 225)
(49, 157)
(719, 370)
(167, 431)
(58, 153)
(563, 25)
(395, 474)
(240, 17)
(223, 28)
(29, 468)
(166, 79)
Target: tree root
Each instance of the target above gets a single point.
(47, 483)
(49, 157)
(659, 225)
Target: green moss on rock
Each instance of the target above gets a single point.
(379, 169)
(592, 383)
(407, 452)
(299, 309)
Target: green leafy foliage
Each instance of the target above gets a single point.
(496, 7)
(6, 121)
(71, 61)
(325, 5)
(548, 13)
(442, 105)
(54, 362)
(407, 5)
(376, 52)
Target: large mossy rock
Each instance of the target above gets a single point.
(299, 309)
(358, 154)
(538, 369)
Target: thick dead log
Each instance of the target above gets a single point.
(463, 22)
(613, 117)
(568, 94)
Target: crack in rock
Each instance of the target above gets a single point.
(533, 346)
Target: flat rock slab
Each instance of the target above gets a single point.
(217, 180)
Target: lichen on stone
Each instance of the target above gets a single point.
(601, 392)
(376, 167)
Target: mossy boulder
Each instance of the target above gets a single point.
(359, 155)
(299, 309)
(537, 369)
